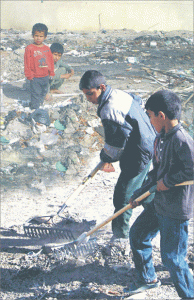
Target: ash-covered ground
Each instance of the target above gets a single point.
(42, 166)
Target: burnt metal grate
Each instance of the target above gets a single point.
(48, 232)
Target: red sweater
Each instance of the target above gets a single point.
(38, 62)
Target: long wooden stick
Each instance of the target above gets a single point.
(122, 210)
(65, 95)
(85, 181)
(81, 187)
(188, 100)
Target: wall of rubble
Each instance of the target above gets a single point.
(95, 15)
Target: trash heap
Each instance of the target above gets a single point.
(38, 148)
(127, 48)
(48, 144)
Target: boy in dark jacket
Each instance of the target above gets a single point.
(38, 65)
(171, 207)
(129, 139)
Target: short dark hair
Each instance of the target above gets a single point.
(167, 102)
(56, 47)
(40, 27)
(91, 79)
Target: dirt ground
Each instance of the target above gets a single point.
(102, 272)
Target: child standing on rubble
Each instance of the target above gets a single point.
(129, 139)
(171, 207)
(38, 65)
(62, 70)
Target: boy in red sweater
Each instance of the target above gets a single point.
(38, 65)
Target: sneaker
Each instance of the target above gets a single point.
(140, 287)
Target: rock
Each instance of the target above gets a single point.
(69, 129)
(49, 138)
(16, 129)
(30, 152)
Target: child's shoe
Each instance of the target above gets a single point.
(139, 287)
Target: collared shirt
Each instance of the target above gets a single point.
(174, 163)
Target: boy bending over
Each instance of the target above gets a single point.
(62, 71)
(129, 139)
(38, 65)
(171, 208)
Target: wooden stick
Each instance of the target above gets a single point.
(85, 181)
(188, 100)
(122, 210)
(168, 73)
(65, 95)
(190, 182)
(81, 187)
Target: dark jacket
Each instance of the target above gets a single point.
(129, 135)
(174, 162)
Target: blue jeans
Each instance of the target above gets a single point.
(173, 243)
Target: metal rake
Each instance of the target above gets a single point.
(47, 232)
(35, 231)
(72, 249)
(82, 244)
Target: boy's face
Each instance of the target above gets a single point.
(56, 56)
(157, 121)
(39, 37)
(93, 94)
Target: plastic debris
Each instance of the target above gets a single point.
(3, 140)
(58, 125)
(41, 116)
(60, 167)
(132, 60)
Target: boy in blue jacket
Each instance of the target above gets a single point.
(171, 208)
(129, 139)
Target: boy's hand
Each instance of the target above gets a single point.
(107, 167)
(65, 76)
(133, 203)
(161, 186)
(48, 97)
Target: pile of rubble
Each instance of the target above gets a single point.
(37, 146)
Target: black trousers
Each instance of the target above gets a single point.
(38, 90)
